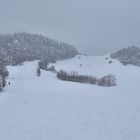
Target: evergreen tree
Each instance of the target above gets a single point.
(3, 74)
(38, 72)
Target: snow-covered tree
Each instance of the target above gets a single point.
(19, 47)
(107, 81)
(130, 55)
(3, 74)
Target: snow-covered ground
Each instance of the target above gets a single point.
(45, 108)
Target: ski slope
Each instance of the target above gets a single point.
(45, 108)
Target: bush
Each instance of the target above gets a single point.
(51, 68)
(43, 64)
(106, 58)
(110, 62)
(107, 81)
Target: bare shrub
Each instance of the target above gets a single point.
(107, 81)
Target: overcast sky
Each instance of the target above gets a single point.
(93, 26)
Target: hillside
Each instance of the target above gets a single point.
(19, 47)
(130, 55)
(40, 108)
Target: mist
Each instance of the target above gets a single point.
(94, 26)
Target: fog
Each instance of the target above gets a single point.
(94, 26)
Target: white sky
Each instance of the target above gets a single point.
(93, 26)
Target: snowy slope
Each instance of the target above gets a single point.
(45, 108)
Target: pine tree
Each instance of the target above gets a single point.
(3, 74)
(38, 72)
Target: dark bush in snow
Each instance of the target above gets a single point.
(79, 57)
(107, 81)
(38, 72)
(51, 68)
(43, 64)
(106, 58)
(110, 62)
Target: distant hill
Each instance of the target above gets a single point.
(19, 47)
(130, 55)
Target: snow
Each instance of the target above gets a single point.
(45, 108)
(16, 41)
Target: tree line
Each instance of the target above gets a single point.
(130, 55)
(19, 47)
(106, 81)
